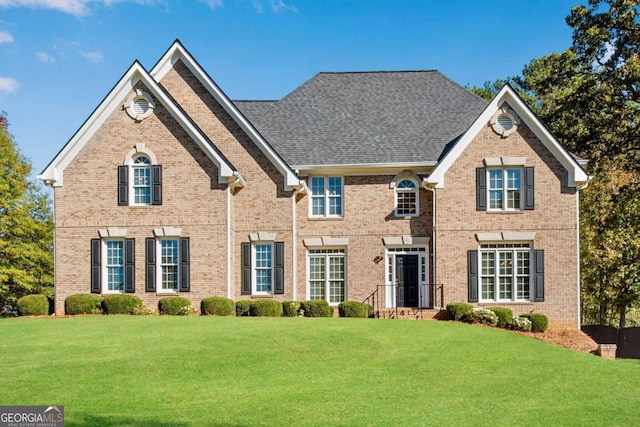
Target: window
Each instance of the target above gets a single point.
(505, 272)
(326, 273)
(167, 264)
(262, 268)
(406, 198)
(505, 189)
(112, 265)
(141, 170)
(326, 196)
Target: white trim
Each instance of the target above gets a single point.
(129, 105)
(317, 242)
(365, 169)
(178, 52)
(577, 177)
(167, 232)
(500, 236)
(327, 196)
(263, 236)
(229, 244)
(254, 282)
(138, 149)
(330, 252)
(391, 251)
(54, 172)
(112, 232)
(104, 266)
(514, 271)
(159, 288)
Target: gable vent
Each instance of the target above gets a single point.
(140, 105)
(505, 122)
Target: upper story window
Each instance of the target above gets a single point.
(141, 182)
(505, 189)
(406, 198)
(326, 196)
(140, 179)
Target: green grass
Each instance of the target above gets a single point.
(213, 371)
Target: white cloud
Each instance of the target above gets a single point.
(45, 57)
(9, 85)
(77, 8)
(5, 37)
(213, 4)
(95, 57)
(278, 6)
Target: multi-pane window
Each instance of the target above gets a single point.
(114, 265)
(263, 268)
(406, 198)
(505, 272)
(326, 196)
(169, 262)
(327, 275)
(141, 180)
(505, 189)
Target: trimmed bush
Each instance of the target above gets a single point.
(539, 322)
(217, 306)
(120, 304)
(483, 316)
(456, 310)
(83, 304)
(316, 308)
(242, 308)
(354, 309)
(266, 308)
(505, 316)
(520, 324)
(290, 308)
(174, 306)
(33, 305)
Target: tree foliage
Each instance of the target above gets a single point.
(26, 227)
(589, 97)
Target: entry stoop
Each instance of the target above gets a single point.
(408, 313)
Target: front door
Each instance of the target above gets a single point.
(407, 280)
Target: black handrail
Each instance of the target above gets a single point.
(378, 300)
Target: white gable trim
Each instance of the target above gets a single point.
(178, 52)
(54, 172)
(577, 176)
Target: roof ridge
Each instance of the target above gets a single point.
(379, 71)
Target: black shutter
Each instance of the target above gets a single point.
(538, 278)
(472, 269)
(529, 195)
(96, 270)
(129, 265)
(184, 265)
(246, 268)
(123, 185)
(279, 268)
(481, 189)
(150, 264)
(156, 185)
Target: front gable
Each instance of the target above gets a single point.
(128, 87)
(507, 100)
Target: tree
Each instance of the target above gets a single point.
(26, 227)
(589, 97)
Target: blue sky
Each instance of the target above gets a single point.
(59, 58)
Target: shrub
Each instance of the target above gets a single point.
(316, 308)
(174, 306)
(480, 315)
(144, 310)
(120, 304)
(505, 316)
(290, 308)
(266, 308)
(242, 308)
(354, 309)
(456, 310)
(539, 322)
(83, 304)
(217, 306)
(33, 305)
(520, 324)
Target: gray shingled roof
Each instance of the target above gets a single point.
(366, 117)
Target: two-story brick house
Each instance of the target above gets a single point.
(353, 184)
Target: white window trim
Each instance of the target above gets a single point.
(513, 247)
(254, 281)
(104, 269)
(130, 103)
(505, 189)
(159, 282)
(415, 190)
(339, 251)
(132, 183)
(326, 197)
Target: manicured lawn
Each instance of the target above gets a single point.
(197, 371)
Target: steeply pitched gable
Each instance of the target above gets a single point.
(54, 172)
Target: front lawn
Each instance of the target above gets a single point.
(205, 371)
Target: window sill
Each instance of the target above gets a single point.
(167, 293)
(326, 218)
(509, 212)
(493, 303)
(260, 296)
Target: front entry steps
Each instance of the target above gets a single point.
(408, 313)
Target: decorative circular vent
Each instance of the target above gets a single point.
(504, 122)
(139, 105)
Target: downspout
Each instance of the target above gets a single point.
(300, 191)
(434, 230)
(580, 187)
(229, 257)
